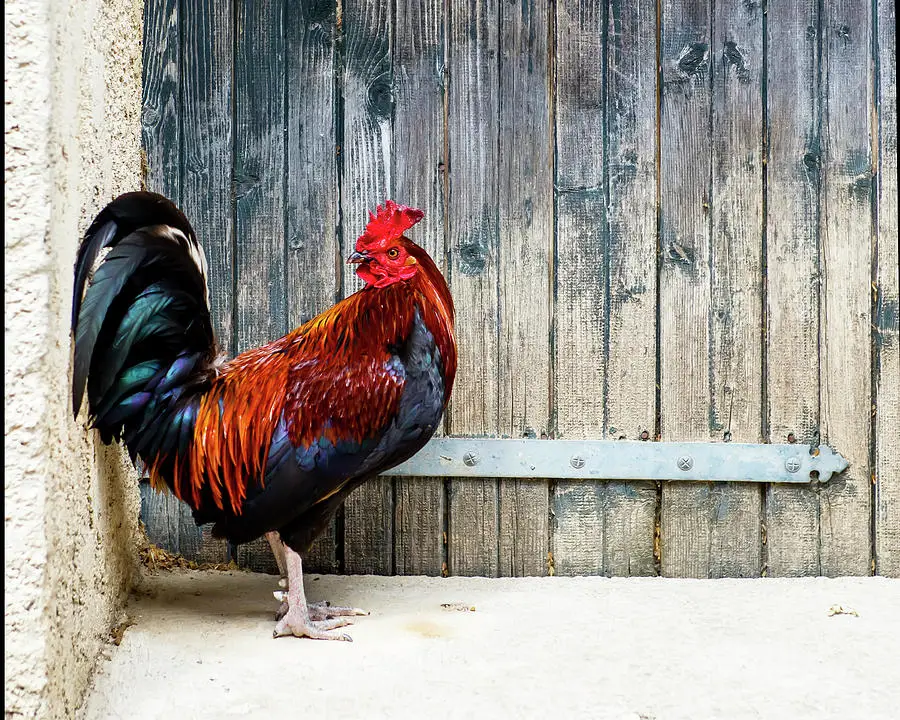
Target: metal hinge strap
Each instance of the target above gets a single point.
(622, 460)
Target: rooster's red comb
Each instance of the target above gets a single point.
(389, 222)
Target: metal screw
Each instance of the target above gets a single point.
(685, 462)
(577, 462)
(471, 458)
(792, 465)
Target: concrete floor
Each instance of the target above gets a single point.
(632, 649)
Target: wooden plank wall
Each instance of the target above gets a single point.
(665, 220)
(792, 276)
(886, 301)
(473, 113)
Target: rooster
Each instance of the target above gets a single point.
(271, 442)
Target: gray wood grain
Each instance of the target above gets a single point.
(259, 159)
(259, 172)
(170, 525)
(449, 106)
(846, 295)
(168, 522)
(735, 398)
(312, 200)
(526, 231)
(257, 556)
(368, 107)
(207, 142)
(605, 336)
(473, 128)
(630, 513)
(581, 274)
(712, 531)
(887, 306)
(161, 144)
(160, 119)
(419, 181)
(792, 276)
(206, 164)
(685, 179)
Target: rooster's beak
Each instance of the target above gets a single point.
(356, 257)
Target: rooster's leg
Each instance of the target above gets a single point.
(296, 620)
(278, 551)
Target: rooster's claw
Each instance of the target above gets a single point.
(297, 623)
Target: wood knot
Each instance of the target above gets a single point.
(692, 60)
(381, 98)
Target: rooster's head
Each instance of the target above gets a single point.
(384, 255)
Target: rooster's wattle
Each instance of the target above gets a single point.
(272, 441)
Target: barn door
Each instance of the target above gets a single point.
(671, 221)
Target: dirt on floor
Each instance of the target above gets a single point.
(198, 644)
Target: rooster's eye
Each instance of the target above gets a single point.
(393, 253)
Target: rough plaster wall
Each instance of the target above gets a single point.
(72, 98)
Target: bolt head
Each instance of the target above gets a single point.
(792, 465)
(470, 458)
(577, 462)
(685, 462)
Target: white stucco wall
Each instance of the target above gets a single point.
(72, 96)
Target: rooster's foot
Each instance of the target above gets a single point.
(296, 618)
(318, 611)
(325, 611)
(297, 623)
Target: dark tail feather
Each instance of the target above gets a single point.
(144, 345)
(95, 240)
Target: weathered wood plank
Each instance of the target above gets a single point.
(581, 274)
(499, 230)
(206, 109)
(259, 174)
(735, 540)
(311, 184)
(206, 96)
(257, 556)
(474, 245)
(792, 276)
(419, 169)
(685, 177)
(526, 230)
(846, 257)
(605, 310)
(161, 145)
(170, 525)
(259, 166)
(630, 512)
(578, 538)
(160, 118)
(366, 182)
(887, 307)
(175, 153)
(168, 522)
(711, 247)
